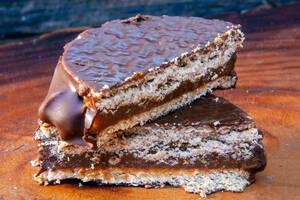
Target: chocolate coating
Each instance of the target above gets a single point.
(206, 111)
(64, 108)
(109, 54)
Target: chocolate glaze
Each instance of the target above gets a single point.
(64, 108)
(205, 111)
(105, 56)
(201, 113)
(119, 48)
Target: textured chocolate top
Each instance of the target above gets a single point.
(208, 110)
(107, 55)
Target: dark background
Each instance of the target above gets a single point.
(23, 18)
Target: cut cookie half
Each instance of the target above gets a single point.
(128, 72)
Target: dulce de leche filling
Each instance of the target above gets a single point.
(107, 160)
(105, 120)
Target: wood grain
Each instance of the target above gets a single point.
(268, 89)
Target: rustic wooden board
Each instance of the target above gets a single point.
(268, 88)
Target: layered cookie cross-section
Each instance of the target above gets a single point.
(128, 72)
(207, 146)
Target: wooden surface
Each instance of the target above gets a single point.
(268, 89)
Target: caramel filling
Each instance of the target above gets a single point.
(105, 120)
